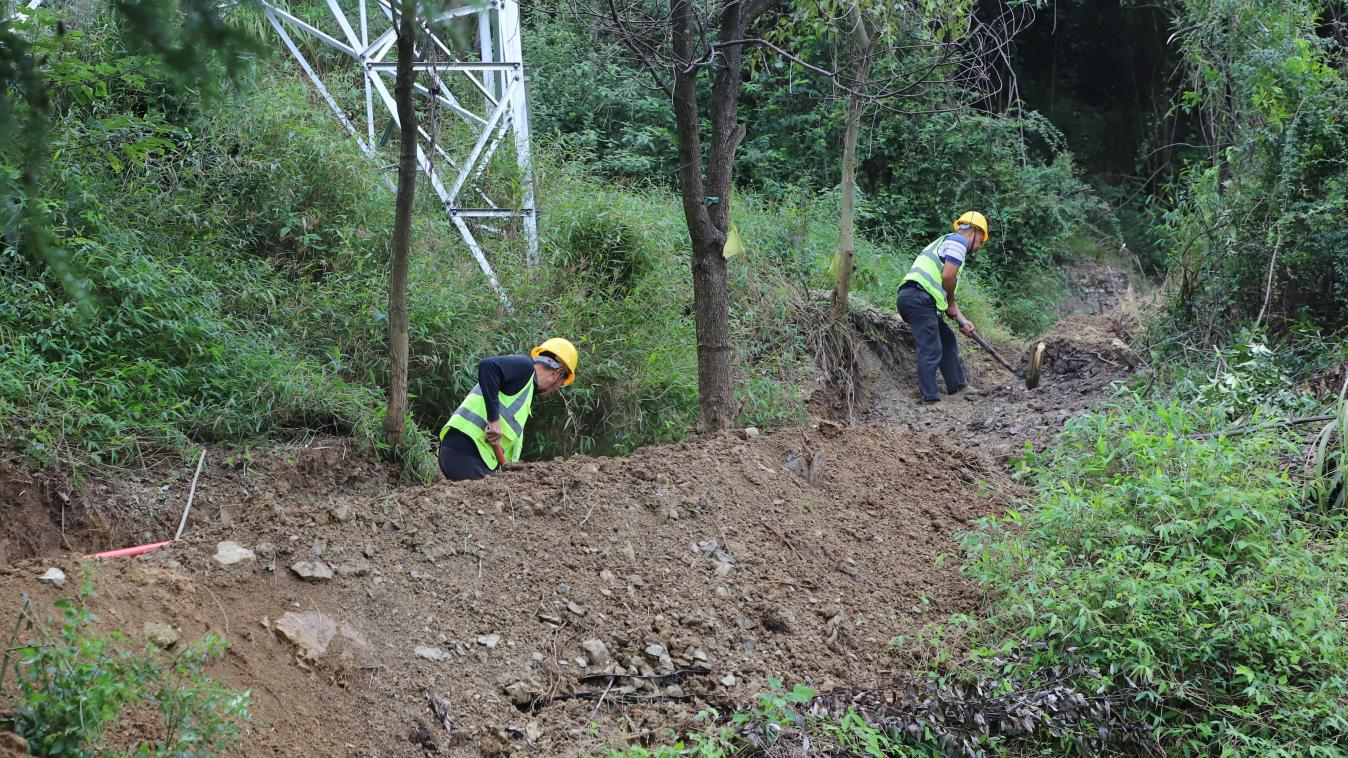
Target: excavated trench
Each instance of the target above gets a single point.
(572, 604)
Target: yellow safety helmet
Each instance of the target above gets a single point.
(565, 352)
(976, 220)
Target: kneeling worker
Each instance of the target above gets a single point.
(929, 288)
(504, 393)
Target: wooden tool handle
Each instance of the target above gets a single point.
(984, 344)
(500, 455)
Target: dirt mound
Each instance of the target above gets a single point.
(625, 592)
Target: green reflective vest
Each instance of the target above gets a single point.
(926, 271)
(471, 419)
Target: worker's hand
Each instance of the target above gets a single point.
(494, 431)
(966, 326)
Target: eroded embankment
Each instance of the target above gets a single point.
(795, 555)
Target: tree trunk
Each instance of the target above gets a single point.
(847, 244)
(402, 231)
(706, 204)
(847, 247)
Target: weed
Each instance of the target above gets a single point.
(73, 684)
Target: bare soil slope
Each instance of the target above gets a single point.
(566, 605)
(796, 555)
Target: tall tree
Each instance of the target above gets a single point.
(683, 48)
(396, 414)
(904, 58)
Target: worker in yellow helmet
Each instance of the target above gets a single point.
(487, 429)
(929, 290)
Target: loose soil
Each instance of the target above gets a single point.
(568, 605)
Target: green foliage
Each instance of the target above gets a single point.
(73, 685)
(915, 173)
(1186, 567)
(780, 723)
(234, 252)
(1260, 220)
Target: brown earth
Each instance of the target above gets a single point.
(713, 550)
(573, 604)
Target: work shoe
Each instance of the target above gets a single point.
(968, 391)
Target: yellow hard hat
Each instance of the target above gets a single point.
(565, 352)
(976, 220)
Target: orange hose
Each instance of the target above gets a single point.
(127, 552)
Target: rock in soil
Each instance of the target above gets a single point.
(431, 653)
(312, 571)
(54, 576)
(228, 553)
(160, 634)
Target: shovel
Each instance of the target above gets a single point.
(500, 456)
(984, 344)
(1031, 373)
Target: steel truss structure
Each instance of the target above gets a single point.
(497, 74)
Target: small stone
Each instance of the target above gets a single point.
(582, 662)
(54, 576)
(341, 512)
(490, 641)
(729, 680)
(655, 651)
(597, 652)
(549, 620)
(266, 550)
(563, 588)
(354, 568)
(521, 693)
(575, 607)
(431, 653)
(607, 576)
(723, 591)
(310, 633)
(636, 580)
(749, 432)
(229, 553)
(313, 571)
(160, 635)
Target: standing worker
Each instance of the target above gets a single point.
(474, 442)
(929, 288)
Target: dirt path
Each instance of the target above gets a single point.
(578, 603)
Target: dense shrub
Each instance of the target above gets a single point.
(235, 260)
(1260, 220)
(1186, 567)
(915, 173)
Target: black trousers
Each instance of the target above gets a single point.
(936, 346)
(458, 465)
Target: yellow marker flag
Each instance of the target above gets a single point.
(733, 245)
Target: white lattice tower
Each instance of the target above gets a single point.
(498, 109)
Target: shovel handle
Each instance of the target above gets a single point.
(984, 344)
(500, 456)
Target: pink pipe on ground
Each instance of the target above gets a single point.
(127, 552)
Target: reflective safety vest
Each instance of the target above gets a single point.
(471, 419)
(926, 271)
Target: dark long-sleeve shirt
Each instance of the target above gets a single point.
(503, 374)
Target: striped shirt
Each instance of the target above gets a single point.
(953, 249)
